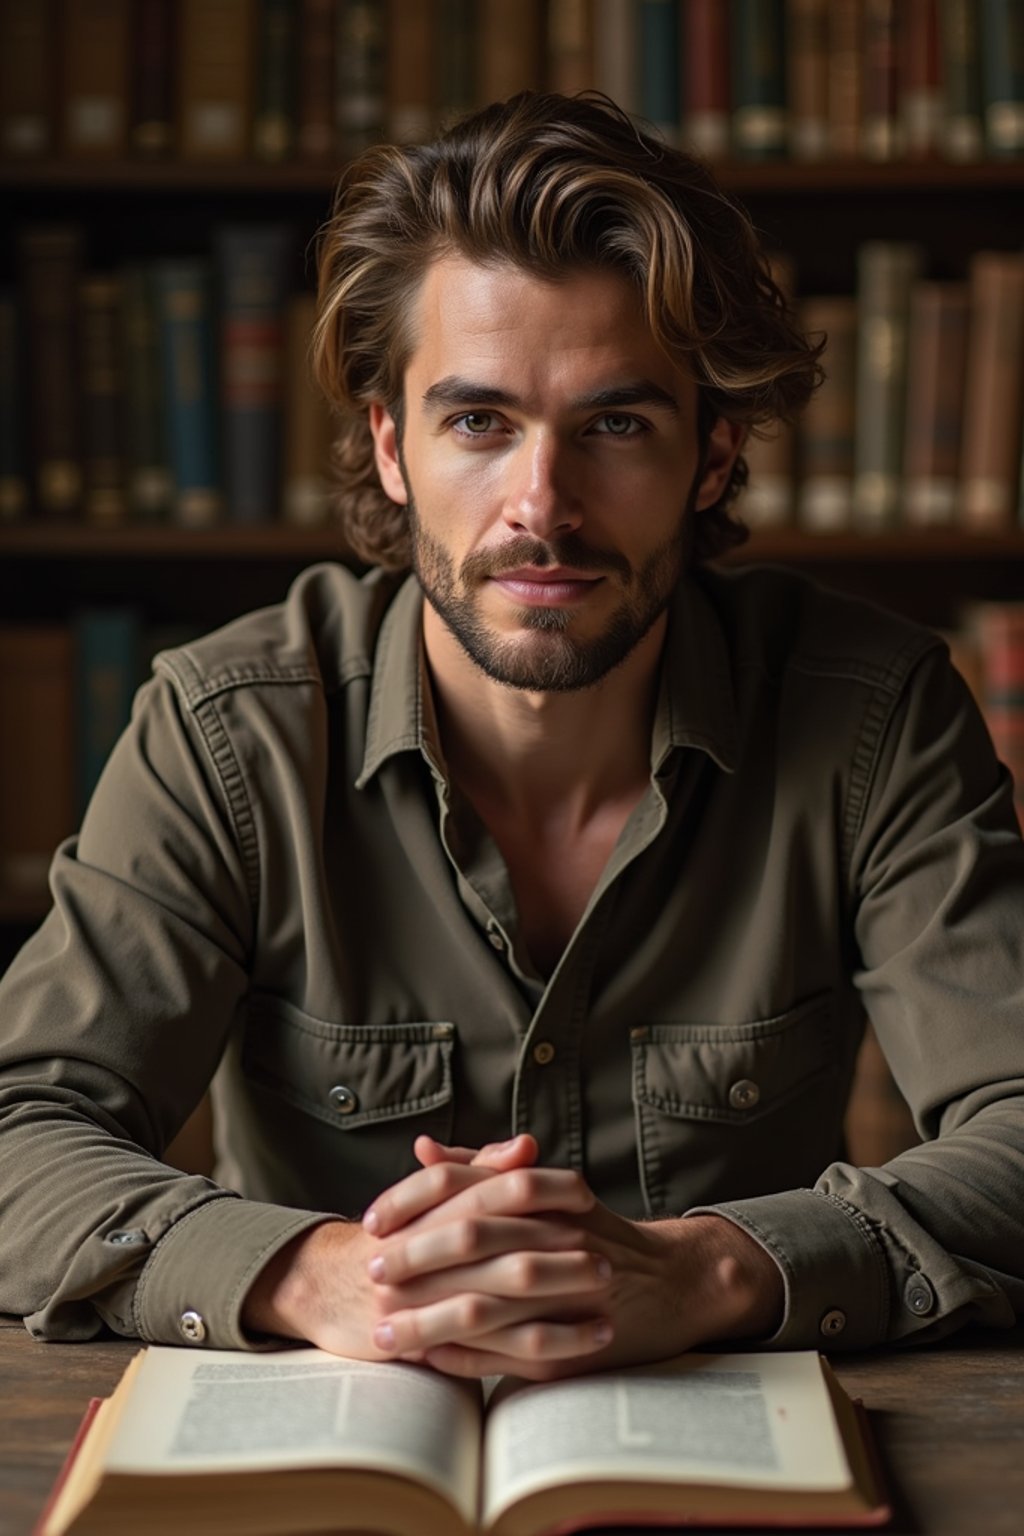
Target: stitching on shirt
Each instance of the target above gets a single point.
(233, 785)
(866, 1229)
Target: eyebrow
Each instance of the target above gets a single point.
(456, 390)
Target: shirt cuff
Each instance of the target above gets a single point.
(193, 1286)
(833, 1267)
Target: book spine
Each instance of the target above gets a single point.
(570, 46)
(658, 54)
(705, 77)
(254, 271)
(881, 136)
(153, 77)
(509, 49)
(615, 61)
(359, 83)
(13, 467)
(50, 258)
(1002, 74)
(37, 797)
(828, 425)
(216, 78)
(316, 131)
(102, 382)
(410, 85)
(920, 90)
(845, 78)
(936, 364)
(759, 118)
(188, 388)
(95, 36)
(885, 275)
(106, 660)
(998, 629)
(994, 392)
(807, 74)
(963, 129)
(307, 422)
(274, 128)
(147, 473)
(456, 61)
(28, 86)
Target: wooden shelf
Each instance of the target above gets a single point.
(35, 541)
(302, 177)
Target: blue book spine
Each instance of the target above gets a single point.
(185, 301)
(253, 265)
(660, 66)
(106, 648)
(1002, 62)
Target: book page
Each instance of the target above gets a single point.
(740, 1420)
(224, 1410)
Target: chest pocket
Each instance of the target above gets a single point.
(725, 1111)
(359, 1095)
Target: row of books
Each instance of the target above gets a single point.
(66, 693)
(179, 390)
(320, 79)
(920, 419)
(169, 390)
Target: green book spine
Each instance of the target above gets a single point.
(359, 79)
(963, 132)
(885, 274)
(456, 85)
(273, 134)
(759, 118)
(658, 51)
(1002, 66)
(189, 388)
(106, 649)
(148, 474)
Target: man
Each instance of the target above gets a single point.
(529, 905)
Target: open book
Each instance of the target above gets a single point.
(301, 1441)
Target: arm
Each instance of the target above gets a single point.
(113, 1019)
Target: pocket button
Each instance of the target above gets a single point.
(343, 1100)
(744, 1094)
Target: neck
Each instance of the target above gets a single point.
(539, 755)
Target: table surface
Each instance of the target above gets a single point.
(948, 1421)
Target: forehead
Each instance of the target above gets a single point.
(494, 321)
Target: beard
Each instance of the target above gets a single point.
(548, 658)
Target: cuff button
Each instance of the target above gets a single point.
(919, 1296)
(832, 1323)
(192, 1327)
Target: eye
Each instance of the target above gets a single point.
(617, 425)
(474, 423)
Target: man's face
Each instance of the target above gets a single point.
(549, 461)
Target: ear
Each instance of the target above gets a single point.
(385, 452)
(724, 445)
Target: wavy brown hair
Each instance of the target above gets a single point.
(553, 185)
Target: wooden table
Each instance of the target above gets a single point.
(949, 1422)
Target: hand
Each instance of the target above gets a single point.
(318, 1288)
(527, 1273)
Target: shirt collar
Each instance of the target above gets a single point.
(696, 703)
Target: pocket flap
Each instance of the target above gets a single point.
(348, 1074)
(732, 1072)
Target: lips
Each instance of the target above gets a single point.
(547, 586)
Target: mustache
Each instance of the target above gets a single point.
(570, 550)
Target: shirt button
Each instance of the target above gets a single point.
(543, 1053)
(193, 1329)
(919, 1296)
(343, 1100)
(496, 940)
(744, 1094)
(832, 1323)
(126, 1239)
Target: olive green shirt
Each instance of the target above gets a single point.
(276, 882)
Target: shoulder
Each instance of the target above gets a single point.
(780, 622)
(323, 634)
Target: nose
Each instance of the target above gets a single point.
(540, 498)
